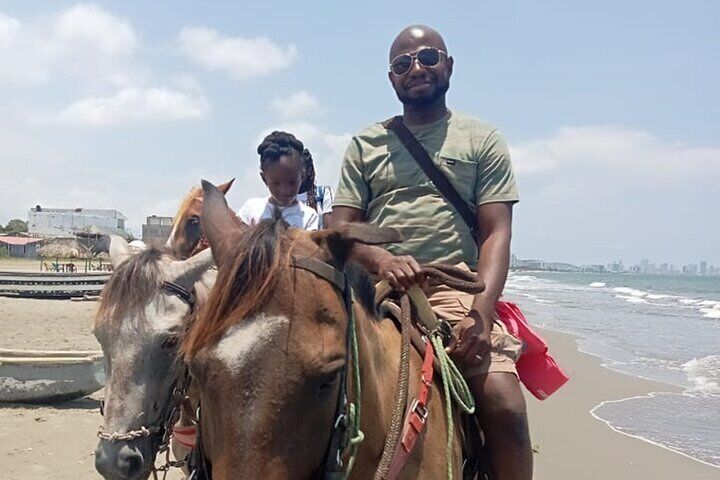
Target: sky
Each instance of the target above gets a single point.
(610, 108)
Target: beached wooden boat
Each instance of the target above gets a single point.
(39, 376)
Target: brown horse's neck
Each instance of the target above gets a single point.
(379, 343)
(379, 351)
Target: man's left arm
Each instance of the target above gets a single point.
(494, 234)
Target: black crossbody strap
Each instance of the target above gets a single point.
(441, 182)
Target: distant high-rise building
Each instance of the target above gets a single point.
(156, 228)
(691, 269)
(645, 266)
(703, 268)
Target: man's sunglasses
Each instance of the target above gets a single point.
(427, 57)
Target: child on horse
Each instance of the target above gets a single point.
(282, 169)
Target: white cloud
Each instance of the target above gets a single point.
(625, 157)
(594, 193)
(130, 105)
(89, 26)
(298, 105)
(240, 57)
(9, 28)
(83, 41)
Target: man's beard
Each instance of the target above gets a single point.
(425, 100)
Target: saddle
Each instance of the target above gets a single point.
(475, 464)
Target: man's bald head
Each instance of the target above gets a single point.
(422, 81)
(415, 36)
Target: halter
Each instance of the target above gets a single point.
(346, 427)
(179, 394)
(179, 291)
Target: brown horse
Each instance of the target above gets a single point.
(139, 324)
(186, 237)
(269, 349)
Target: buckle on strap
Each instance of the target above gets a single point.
(419, 409)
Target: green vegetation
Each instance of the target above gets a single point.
(14, 226)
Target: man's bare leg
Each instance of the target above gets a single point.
(503, 418)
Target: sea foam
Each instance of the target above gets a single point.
(703, 374)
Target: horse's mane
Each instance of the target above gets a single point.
(133, 283)
(263, 254)
(195, 192)
(244, 287)
(363, 286)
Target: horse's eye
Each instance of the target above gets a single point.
(171, 341)
(327, 386)
(193, 220)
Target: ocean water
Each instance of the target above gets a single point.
(662, 328)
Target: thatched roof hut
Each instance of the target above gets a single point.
(58, 251)
(62, 248)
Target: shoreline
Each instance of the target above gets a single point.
(640, 437)
(573, 442)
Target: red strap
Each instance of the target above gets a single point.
(185, 435)
(415, 417)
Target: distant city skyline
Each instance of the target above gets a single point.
(645, 266)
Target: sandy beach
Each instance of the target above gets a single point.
(57, 441)
(572, 444)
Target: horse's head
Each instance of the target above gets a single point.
(187, 233)
(269, 349)
(143, 310)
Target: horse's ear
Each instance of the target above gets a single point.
(190, 270)
(119, 250)
(340, 240)
(224, 187)
(220, 224)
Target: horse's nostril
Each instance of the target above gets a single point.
(130, 462)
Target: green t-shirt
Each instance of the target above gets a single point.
(380, 177)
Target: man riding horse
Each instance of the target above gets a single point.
(383, 184)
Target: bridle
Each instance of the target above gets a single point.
(346, 426)
(162, 431)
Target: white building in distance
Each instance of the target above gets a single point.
(62, 222)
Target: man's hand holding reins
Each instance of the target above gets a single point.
(400, 271)
(470, 342)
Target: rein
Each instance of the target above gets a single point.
(170, 415)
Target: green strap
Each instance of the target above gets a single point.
(455, 388)
(357, 436)
(454, 385)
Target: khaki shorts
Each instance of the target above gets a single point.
(452, 306)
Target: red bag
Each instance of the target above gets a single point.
(537, 370)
